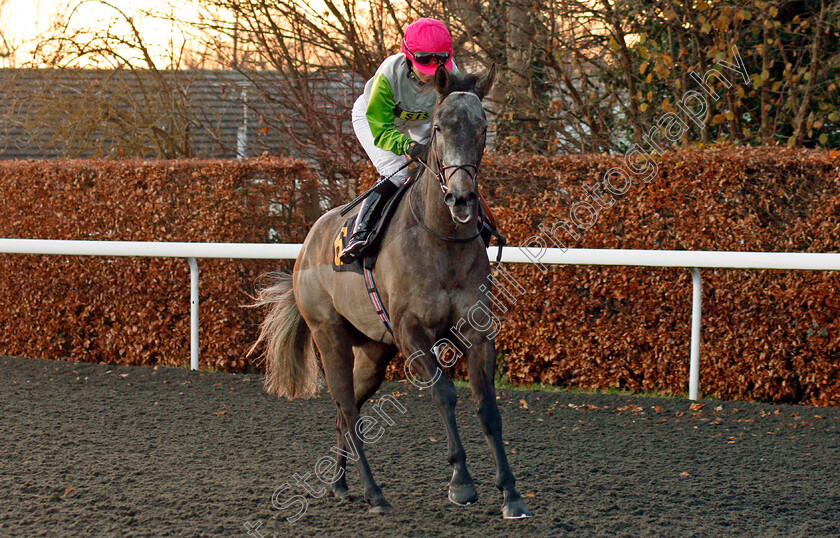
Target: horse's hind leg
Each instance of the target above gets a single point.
(371, 360)
(334, 343)
(414, 337)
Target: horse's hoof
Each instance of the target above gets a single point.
(342, 494)
(464, 495)
(515, 509)
(381, 507)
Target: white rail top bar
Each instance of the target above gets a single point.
(152, 249)
(550, 256)
(672, 258)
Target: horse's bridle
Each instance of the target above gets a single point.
(440, 175)
(441, 171)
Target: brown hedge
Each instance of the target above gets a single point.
(135, 310)
(767, 334)
(770, 335)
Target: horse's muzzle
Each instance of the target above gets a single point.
(461, 205)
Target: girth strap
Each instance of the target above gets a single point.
(376, 300)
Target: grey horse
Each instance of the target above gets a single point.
(432, 274)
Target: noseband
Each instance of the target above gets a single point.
(441, 173)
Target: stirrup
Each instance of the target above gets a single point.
(352, 250)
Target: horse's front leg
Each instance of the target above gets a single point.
(416, 343)
(482, 369)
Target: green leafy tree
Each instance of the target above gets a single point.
(791, 51)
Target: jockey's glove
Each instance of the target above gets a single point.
(417, 151)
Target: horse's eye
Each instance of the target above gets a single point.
(437, 128)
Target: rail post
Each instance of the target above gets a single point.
(696, 314)
(193, 313)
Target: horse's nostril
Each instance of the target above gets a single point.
(449, 199)
(471, 198)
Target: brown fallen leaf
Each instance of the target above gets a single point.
(685, 474)
(524, 404)
(220, 413)
(432, 439)
(530, 495)
(696, 406)
(68, 491)
(658, 408)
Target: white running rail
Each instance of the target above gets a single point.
(692, 260)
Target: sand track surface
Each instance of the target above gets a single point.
(98, 450)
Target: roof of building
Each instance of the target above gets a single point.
(52, 113)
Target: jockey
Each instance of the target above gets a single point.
(392, 118)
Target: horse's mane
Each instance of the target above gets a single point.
(414, 172)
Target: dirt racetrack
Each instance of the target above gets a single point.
(97, 450)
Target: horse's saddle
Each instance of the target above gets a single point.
(368, 255)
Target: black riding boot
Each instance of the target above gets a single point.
(369, 212)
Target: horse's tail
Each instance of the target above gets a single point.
(291, 368)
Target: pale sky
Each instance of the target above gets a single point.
(25, 20)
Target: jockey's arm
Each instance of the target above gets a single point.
(380, 116)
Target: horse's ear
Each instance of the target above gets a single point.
(485, 82)
(442, 81)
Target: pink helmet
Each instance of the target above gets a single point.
(428, 43)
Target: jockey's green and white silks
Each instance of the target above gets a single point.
(397, 103)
